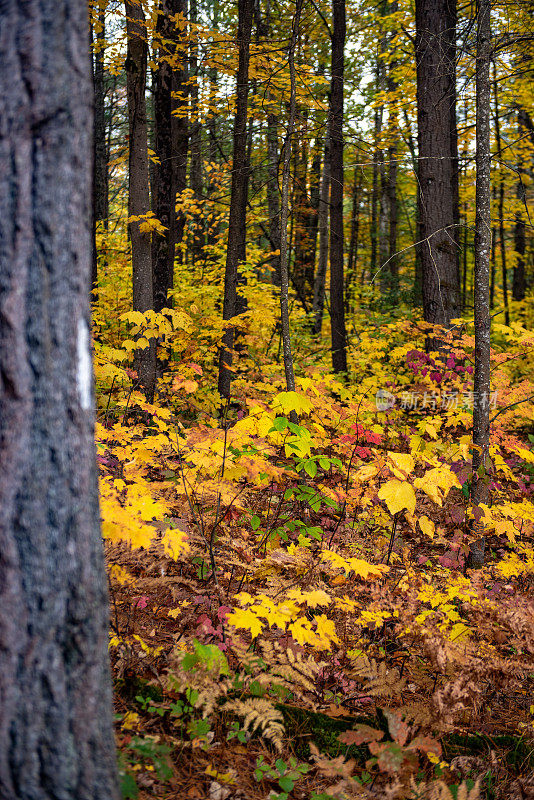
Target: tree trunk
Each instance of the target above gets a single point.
(435, 51)
(519, 278)
(163, 245)
(284, 213)
(100, 176)
(337, 283)
(180, 134)
(236, 249)
(138, 195)
(195, 143)
(56, 736)
(378, 158)
(322, 261)
(481, 420)
(352, 265)
(273, 197)
(502, 244)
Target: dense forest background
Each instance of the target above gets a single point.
(312, 321)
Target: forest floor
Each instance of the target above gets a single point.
(292, 615)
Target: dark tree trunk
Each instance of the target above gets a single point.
(435, 52)
(322, 261)
(481, 417)
(502, 243)
(180, 133)
(519, 278)
(195, 141)
(100, 176)
(373, 219)
(236, 249)
(273, 195)
(56, 737)
(352, 265)
(337, 283)
(163, 245)
(138, 194)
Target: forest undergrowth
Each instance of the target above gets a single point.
(292, 611)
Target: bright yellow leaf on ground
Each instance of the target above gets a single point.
(427, 526)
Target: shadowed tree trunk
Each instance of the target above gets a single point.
(352, 265)
(337, 283)
(481, 405)
(519, 278)
(236, 250)
(435, 52)
(56, 736)
(502, 243)
(322, 261)
(100, 176)
(169, 56)
(180, 133)
(138, 195)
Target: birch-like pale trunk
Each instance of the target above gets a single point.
(481, 419)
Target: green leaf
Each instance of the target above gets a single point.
(286, 784)
(311, 468)
(255, 523)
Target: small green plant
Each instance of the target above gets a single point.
(145, 752)
(236, 732)
(284, 774)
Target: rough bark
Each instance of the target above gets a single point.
(180, 134)
(352, 264)
(284, 212)
(236, 249)
(195, 134)
(273, 197)
(481, 418)
(500, 212)
(100, 174)
(56, 738)
(163, 245)
(138, 185)
(337, 283)
(435, 51)
(322, 261)
(519, 277)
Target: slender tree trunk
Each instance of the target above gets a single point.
(138, 194)
(56, 735)
(378, 158)
(352, 265)
(337, 283)
(195, 133)
(322, 262)
(180, 136)
(273, 197)
(100, 176)
(502, 244)
(481, 420)
(236, 250)
(163, 245)
(519, 278)
(284, 211)
(435, 51)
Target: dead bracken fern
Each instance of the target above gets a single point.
(438, 790)
(257, 712)
(378, 679)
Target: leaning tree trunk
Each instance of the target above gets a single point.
(481, 420)
(138, 195)
(337, 283)
(56, 737)
(236, 248)
(435, 52)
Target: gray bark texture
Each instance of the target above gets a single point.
(481, 417)
(322, 261)
(435, 52)
(56, 740)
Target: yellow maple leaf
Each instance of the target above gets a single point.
(398, 495)
(174, 543)
(326, 630)
(401, 464)
(245, 619)
(293, 401)
(312, 599)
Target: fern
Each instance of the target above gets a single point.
(257, 712)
